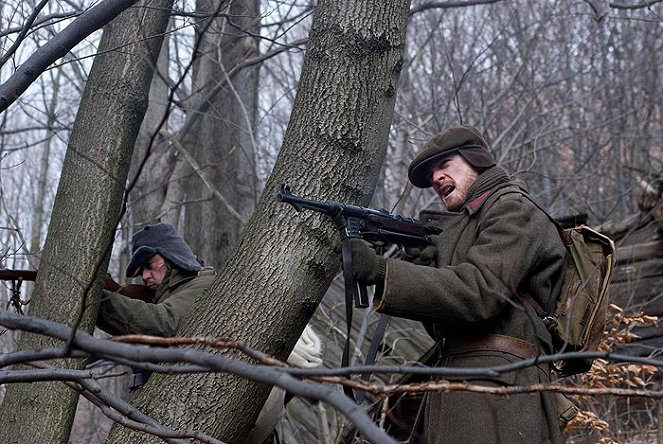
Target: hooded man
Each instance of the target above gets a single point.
(171, 270)
(465, 290)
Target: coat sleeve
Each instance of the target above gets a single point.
(120, 315)
(477, 288)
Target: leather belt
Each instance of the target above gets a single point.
(495, 342)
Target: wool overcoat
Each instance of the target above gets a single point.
(120, 315)
(483, 260)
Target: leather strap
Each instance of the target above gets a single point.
(495, 342)
(353, 294)
(565, 235)
(376, 341)
(350, 294)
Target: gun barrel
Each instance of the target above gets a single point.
(331, 207)
(380, 222)
(286, 196)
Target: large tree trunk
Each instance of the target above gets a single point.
(221, 140)
(275, 278)
(153, 156)
(86, 211)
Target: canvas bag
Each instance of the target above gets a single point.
(577, 320)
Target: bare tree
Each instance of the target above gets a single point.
(222, 140)
(276, 276)
(86, 212)
(207, 169)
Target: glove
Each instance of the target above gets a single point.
(368, 268)
(419, 256)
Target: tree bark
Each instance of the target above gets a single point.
(148, 193)
(38, 216)
(221, 140)
(86, 211)
(276, 277)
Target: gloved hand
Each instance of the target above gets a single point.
(368, 267)
(421, 256)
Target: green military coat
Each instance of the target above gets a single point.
(471, 292)
(120, 315)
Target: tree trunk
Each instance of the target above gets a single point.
(222, 142)
(276, 277)
(38, 216)
(148, 194)
(86, 212)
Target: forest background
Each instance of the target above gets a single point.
(246, 94)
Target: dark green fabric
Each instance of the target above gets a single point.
(472, 292)
(368, 268)
(120, 315)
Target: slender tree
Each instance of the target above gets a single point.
(222, 140)
(153, 159)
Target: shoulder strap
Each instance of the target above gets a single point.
(490, 201)
(492, 198)
(514, 189)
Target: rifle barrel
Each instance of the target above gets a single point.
(13, 275)
(134, 291)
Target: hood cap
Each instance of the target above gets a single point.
(163, 239)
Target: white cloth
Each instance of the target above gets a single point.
(307, 354)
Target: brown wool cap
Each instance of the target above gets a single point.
(462, 139)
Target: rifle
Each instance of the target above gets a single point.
(134, 291)
(378, 227)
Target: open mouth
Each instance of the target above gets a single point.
(447, 190)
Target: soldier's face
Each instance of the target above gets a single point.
(154, 272)
(452, 178)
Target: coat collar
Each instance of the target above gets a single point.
(487, 182)
(173, 278)
(475, 204)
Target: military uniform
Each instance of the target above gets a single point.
(468, 303)
(120, 315)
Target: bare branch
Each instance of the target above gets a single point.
(121, 411)
(24, 31)
(463, 4)
(84, 25)
(449, 5)
(50, 374)
(269, 375)
(207, 180)
(643, 5)
(41, 21)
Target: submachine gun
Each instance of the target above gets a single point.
(378, 227)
